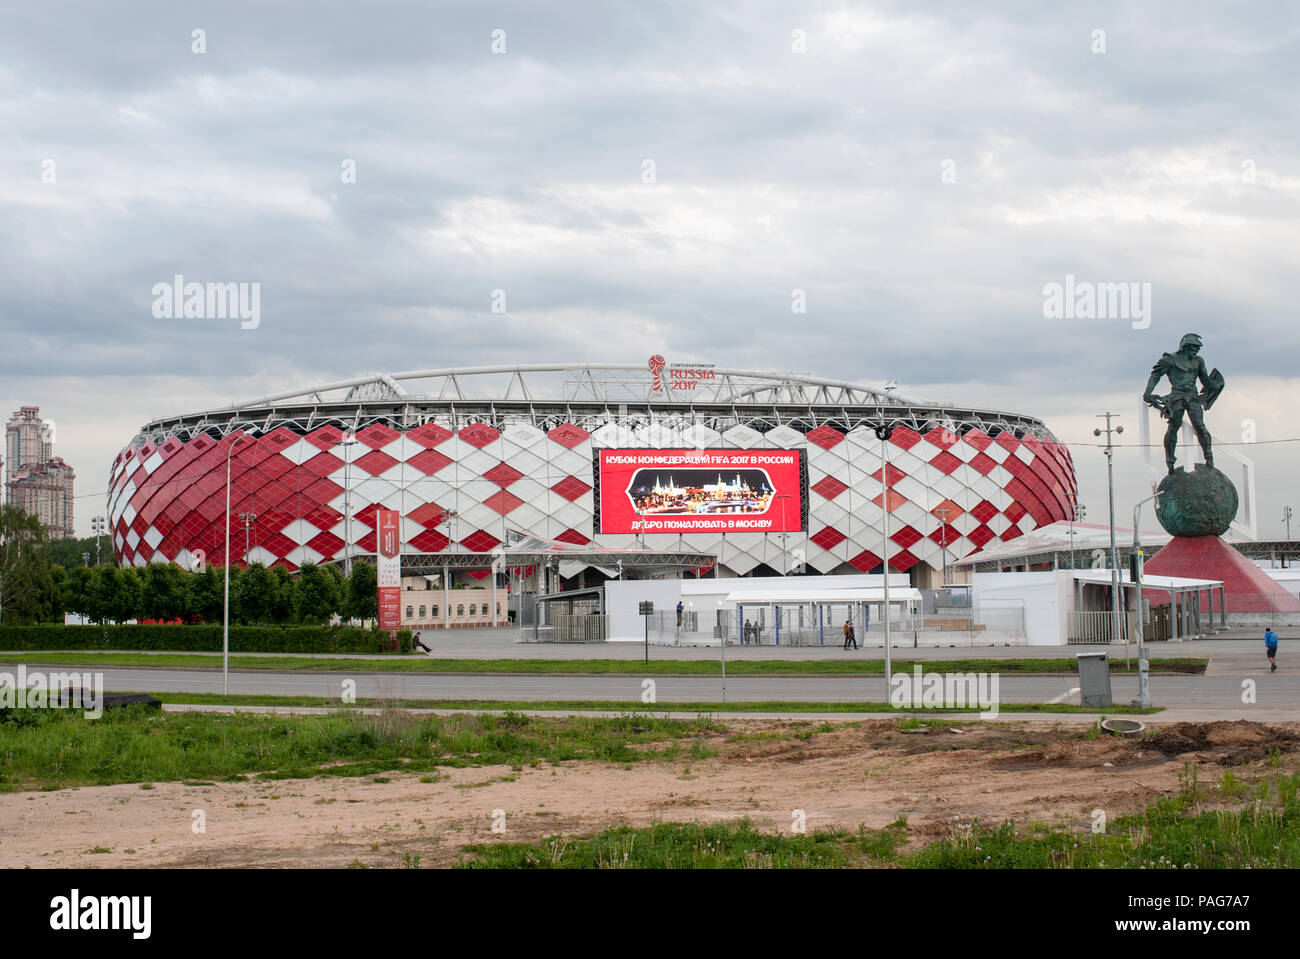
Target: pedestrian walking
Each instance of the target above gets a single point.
(1270, 647)
(850, 635)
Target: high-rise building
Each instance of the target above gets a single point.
(36, 481)
(27, 441)
(45, 490)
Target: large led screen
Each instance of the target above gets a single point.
(697, 491)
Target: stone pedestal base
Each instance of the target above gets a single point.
(1249, 589)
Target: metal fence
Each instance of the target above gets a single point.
(574, 628)
(1098, 627)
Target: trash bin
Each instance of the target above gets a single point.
(1094, 680)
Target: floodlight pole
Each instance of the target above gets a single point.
(225, 602)
(349, 440)
(1144, 692)
(884, 431)
(1114, 551)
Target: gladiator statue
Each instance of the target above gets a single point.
(1185, 370)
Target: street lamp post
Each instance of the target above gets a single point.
(98, 526)
(347, 442)
(1286, 516)
(1114, 552)
(248, 519)
(942, 513)
(883, 431)
(225, 602)
(1144, 692)
(1077, 513)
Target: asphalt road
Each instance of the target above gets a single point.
(1274, 691)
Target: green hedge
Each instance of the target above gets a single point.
(190, 639)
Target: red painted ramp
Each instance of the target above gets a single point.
(1249, 589)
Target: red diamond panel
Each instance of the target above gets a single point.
(904, 437)
(941, 538)
(573, 536)
(376, 462)
(367, 543)
(429, 435)
(1007, 439)
(953, 511)
(377, 436)
(479, 541)
(905, 537)
(828, 487)
(503, 475)
(896, 499)
(978, 439)
(428, 515)
(503, 502)
(902, 561)
(327, 544)
(865, 561)
(984, 511)
(895, 474)
(825, 436)
(983, 464)
(945, 461)
(479, 434)
(430, 541)
(568, 435)
(1014, 512)
(325, 437)
(828, 537)
(429, 462)
(942, 438)
(1010, 533)
(571, 487)
(980, 535)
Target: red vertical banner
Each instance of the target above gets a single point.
(388, 571)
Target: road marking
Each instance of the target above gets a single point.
(1064, 696)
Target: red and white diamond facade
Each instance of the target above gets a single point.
(467, 474)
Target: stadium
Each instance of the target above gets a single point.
(719, 472)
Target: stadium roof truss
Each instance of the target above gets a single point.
(588, 395)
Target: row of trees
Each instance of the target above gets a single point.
(258, 595)
(34, 588)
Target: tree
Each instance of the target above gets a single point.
(68, 552)
(282, 605)
(125, 602)
(317, 595)
(75, 595)
(253, 596)
(26, 584)
(362, 594)
(204, 591)
(162, 591)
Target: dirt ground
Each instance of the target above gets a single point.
(941, 778)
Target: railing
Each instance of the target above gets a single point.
(577, 628)
(1097, 627)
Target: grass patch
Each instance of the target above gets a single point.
(621, 706)
(52, 749)
(623, 667)
(1174, 833)
(667, 846)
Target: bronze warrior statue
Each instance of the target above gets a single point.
(1184, 369)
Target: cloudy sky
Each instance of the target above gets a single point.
(920, 170)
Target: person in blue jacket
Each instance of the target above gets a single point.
(1270, 647)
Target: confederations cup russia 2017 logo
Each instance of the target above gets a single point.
(657, 365)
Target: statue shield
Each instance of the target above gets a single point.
(1212, 389)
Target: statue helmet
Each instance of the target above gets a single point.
(1193, 339)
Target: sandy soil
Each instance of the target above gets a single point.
(940, 778)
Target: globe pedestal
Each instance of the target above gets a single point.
(1197, 508)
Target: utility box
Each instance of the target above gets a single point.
(1094, 680)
